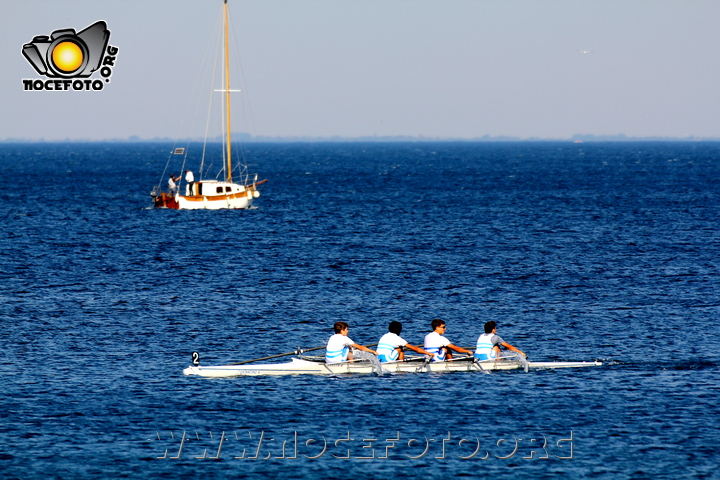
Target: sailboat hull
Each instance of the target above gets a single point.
(217, 202)
(238, 200)
(200, 202)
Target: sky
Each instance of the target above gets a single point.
(446, 69)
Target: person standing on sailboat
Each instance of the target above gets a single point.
(338, 346)
(171, 183)
(189, 179)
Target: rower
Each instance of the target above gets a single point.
(337, 349)
(438, 345)
(390, 346)
(488, 344)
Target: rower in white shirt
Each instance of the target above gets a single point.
(488, 344)
(390, 347)
(338, 346)
(440, 346)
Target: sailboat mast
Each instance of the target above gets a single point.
(228, 173)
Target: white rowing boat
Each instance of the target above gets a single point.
(317, 366)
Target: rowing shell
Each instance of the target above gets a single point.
(302, 366)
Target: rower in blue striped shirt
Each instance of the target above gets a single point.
(488, 344)
(339, 345)
(390, 347)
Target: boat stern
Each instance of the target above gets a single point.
(164, 200)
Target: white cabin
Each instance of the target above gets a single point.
(211, 188)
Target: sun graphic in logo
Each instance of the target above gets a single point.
(67, 56)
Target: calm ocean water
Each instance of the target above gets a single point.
(578, 251)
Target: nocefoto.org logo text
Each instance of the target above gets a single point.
(67, 59)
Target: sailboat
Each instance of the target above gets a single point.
(222, 192)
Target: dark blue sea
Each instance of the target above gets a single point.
(596, 251)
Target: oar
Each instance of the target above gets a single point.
(521, 361)
(460, 359)
(479, 365)
(295, 352)
(411, 359)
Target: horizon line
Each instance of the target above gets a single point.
(245, 137)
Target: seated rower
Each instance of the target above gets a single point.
(438, 345)
(337, 349)
(488, 344)
(390, 346)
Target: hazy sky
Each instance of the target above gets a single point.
(437, 68)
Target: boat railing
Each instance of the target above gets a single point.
(312, 358)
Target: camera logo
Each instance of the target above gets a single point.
(69, 56)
